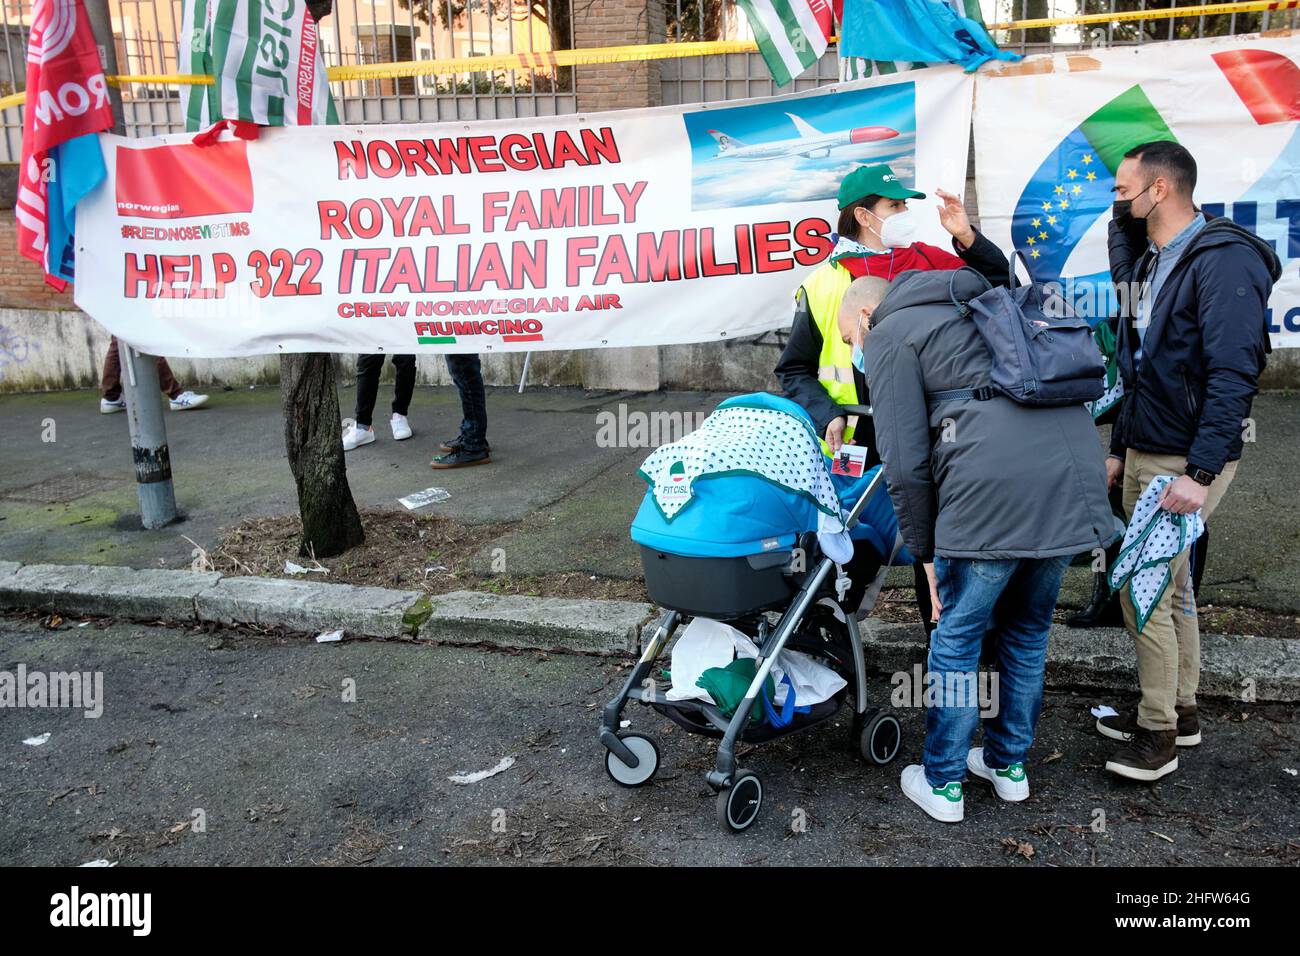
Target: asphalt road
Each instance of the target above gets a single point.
(252, 732)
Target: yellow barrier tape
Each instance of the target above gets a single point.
(552, 59)
(162, 79)
(1166, 13)
(543, 60)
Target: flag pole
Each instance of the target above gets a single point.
(140, 388)
(523, 379)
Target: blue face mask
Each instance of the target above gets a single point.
(859, 360)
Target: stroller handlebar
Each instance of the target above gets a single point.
(857, 410)
(852, 521)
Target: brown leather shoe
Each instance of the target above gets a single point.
(1150, 755)
(1121, 726)
(1189, 726)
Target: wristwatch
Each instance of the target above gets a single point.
(1199, 475)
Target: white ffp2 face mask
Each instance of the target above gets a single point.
(897, 230)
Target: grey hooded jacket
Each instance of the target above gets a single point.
(975, 479)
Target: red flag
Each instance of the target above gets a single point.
(67, 96)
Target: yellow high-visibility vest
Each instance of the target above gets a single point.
(825, 290)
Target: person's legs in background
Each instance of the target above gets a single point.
(167, 381)
(470, 447)
(362, 432)
(403, 388)
(922, 584)
(1103, 608)
(1200, 552)
(110, 383)
(110, 386)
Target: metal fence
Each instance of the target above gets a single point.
(702, 79)
(357, 32)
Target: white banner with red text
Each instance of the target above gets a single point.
(629, 228)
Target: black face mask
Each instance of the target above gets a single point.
(1122, 210)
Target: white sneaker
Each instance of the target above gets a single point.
(108, 408)
(946, 804)
(401, 427)
(357, 435)
(187, 400)
(1011, 784)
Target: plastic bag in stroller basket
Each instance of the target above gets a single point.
(705, 644)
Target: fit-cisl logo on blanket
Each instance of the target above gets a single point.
(676, 485)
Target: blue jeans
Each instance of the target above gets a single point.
(1011, 601)
(467, 376)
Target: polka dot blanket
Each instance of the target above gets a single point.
(1154, 537)
(761, 442)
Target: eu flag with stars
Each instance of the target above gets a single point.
(1075, 184)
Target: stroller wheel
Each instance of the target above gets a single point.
(881, 737)
(738, 805)
(646, 751)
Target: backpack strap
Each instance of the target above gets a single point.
(981, 394)
(963, 309)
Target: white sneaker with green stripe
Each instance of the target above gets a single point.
(945, 803)
(1011, 784)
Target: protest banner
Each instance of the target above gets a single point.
(1049, 134)
(630, 228)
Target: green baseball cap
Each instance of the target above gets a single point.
(878, 180)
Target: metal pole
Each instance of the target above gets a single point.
(144, 410)
(523, 379)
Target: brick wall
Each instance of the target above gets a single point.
(22, 284)
(617, 86)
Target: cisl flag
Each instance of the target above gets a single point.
(67, 102)
(265, 60)
(791, 34)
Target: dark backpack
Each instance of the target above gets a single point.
(1040, 358)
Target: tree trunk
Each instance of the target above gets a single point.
(312, 437)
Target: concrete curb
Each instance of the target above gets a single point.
(312, 606)
(513, 620)
(1232, 666)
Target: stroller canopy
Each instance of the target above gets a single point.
(749, 480)
(718, 505)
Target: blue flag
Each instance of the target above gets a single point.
(924, 31)
(76, 167)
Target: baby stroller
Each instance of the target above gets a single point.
(746, 550)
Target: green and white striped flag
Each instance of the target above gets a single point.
(266, 61)
(791, 34)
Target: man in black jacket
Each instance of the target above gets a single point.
(1191, 346)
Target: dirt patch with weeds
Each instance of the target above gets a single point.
(429, 553)
(436, 554)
